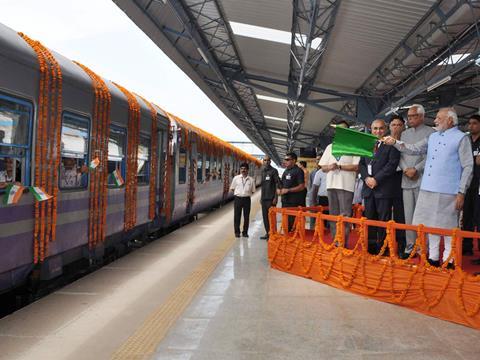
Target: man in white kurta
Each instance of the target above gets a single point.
(341, 175)
(448, 172)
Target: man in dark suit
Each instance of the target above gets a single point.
(380, 187)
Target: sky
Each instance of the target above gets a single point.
(99, 35)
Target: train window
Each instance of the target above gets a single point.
(214, 169)
(15, 125)
(182, 166)
(116, 156)
(199, 168)
(207, 168)
(219, 167)
(143, 170)
(74, 152)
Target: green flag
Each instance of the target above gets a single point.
(352, 142)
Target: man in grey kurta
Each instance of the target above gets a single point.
(448, 172)
(412, 167)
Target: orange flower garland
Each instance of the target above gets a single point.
(47, 147)
(99, 176)
(373, 275)
(132, 159)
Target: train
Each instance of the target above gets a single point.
(96, 167)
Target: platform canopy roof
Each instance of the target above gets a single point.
(282, 70)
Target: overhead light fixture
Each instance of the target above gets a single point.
(439, 83)
(275, 99)
(453, 59)
(202, 54)
(269, 34)
(279, 132)
(280, 139)
(275, 118)
(393, 110)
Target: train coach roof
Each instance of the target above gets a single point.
(212, 138)
(13, 45)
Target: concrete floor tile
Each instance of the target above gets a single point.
(215, 288)
(231, 335)
(187, 334)
(173, 355)
(205, 306)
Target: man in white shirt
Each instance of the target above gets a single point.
(243, 187)
(341, 174)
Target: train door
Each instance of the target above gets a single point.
(192, 172)
(162, 152)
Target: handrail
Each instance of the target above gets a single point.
(391, 227)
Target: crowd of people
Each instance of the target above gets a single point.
(417, 175)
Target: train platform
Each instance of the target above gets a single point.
(199, 293)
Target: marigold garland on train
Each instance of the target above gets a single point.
(81, 127)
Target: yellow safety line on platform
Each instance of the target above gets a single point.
(143, 343)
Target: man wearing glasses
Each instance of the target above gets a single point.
(412, 167)
(270, 184)
(293, 184)
(243, 187)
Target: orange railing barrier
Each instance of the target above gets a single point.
(450, 294)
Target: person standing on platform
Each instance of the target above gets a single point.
(412, 167)
(270, 184)
(306, 175)
(397, 126)
(293, 184)
(378, 175)
(448, 172)
(243, 187)
(319, 194)
(341, 173)
(471, 207)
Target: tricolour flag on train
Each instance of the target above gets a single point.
(13, 193)
(117, 177)
(94, 163)
(39, 194)
(352, 142)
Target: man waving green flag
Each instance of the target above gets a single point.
(352, 142)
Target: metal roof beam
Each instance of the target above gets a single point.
(205, 26)
(347, 116)
(412, 67)
(318, 17)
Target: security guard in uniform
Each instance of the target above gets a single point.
(293, 184)
(270, 184)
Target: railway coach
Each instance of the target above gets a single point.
(96, 165)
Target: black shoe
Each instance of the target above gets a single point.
(245, 235)
(404, 255)
(264, 237)
(435, 263)
(467, 252)
(237, 235)
(476, 262)
(451, 266)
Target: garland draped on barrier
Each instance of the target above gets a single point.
(132, 159)
(448, 294)
(153, 160)
(226, 180)
(47, 147)
(99, 149)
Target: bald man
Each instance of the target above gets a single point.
(379, 189)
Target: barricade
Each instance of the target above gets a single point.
(449, 294)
